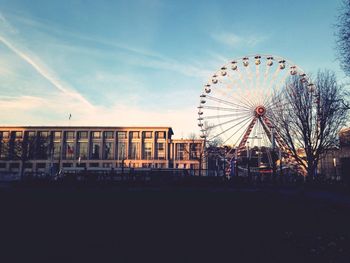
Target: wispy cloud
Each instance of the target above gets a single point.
(44, 72)
(131, 54)
(36, 65)
(25, 109)
(234, 40)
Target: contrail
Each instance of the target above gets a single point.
(45, 74)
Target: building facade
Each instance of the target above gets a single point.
(49, 149)
(336, 162)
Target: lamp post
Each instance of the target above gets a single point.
(280, 157)
(335, 167)
(248, 160)
(273, 153)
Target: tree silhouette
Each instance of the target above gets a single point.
(308, 118)
(343, 36)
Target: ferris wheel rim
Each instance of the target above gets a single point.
(298, 70)
(273, 57)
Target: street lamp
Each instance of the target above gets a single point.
(248, 159)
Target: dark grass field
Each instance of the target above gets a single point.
(106, 224)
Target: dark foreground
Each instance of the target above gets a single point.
(106, 224)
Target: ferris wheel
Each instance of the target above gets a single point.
(236, 103)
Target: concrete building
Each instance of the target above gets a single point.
(51, 148)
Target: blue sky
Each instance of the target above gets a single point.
(143, 62)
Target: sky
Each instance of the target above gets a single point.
(144, 62)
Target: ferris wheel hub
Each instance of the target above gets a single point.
(260, 111)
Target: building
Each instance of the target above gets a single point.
(51, 148)
(336, 162)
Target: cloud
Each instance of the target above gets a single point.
(130, 54)
(4, 23)
(44, 72)
(23, 111)
(234, 40)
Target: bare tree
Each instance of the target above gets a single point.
(196, 151)
(309, 117)
(24, 149)
(202, 152)
(343, 36)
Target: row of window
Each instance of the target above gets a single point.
(83, 134)
(95, 150)
(194, 151)
(92, 165)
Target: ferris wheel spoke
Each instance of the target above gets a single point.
(265, 90)
(266, 76)
(226, 122)
(220, 108)
(250, 77)
(229, 82)
(222, 116)
(257, 77)
(241, 100)
(279, 84)
(226, 102)
(241, 128)
(241, 91)
(233, 126)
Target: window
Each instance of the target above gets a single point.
(42, 146)
(109, 135)
(56, 150)
(147, 134)
(4, 134)
(17, 150)
(14, 165)
(70, 135)
(2, 165)
(82, 150)
(81, 165)
(134, 150)
(180, 151)
(95, 151)
(160, 150)
(18, 134)
(28, 165)
(107, 165)
(161, 135)
(31, 134)
(134, 135)
(31, 145)
(195, 151)
(147, 150)
(67, 165)
(44, 134)
(121, 154)
(121, 135)
(57, 135)
(96, 135)
(4, 149)
(41, 165)
(83, 135)
(94, 164)
(108, 150)
(69, 150)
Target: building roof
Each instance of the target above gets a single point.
(89, 127)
